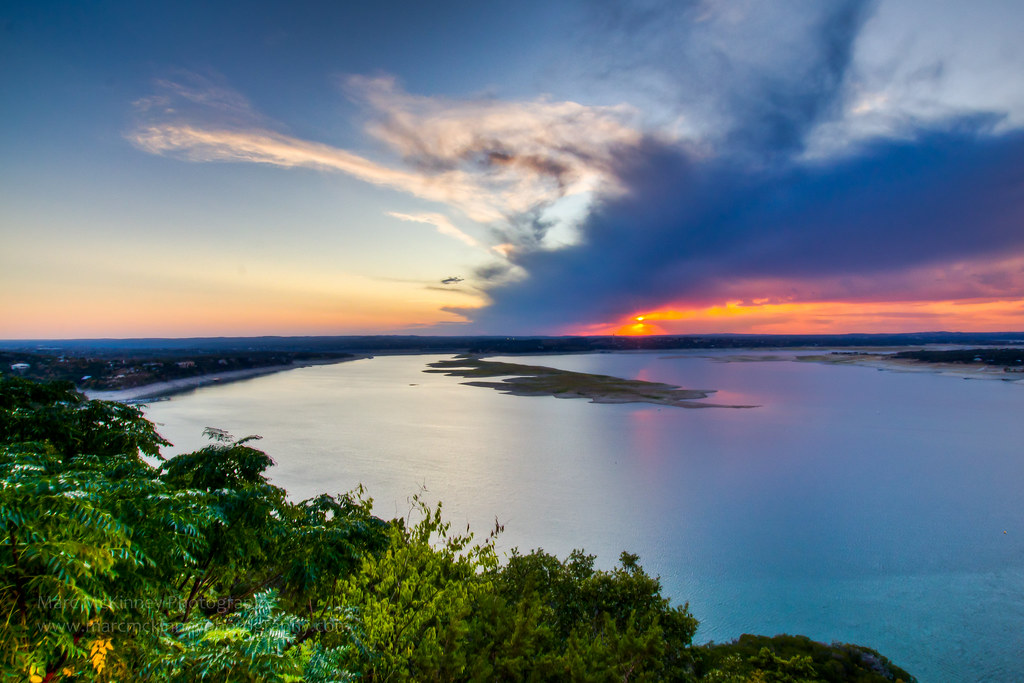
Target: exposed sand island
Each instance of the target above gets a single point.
(538, 380)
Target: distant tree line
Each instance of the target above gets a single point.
(250, 346)
(111, 372)
(1006, 357)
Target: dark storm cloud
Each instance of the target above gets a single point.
(756, 77)
(754, 216)
(492, 271)
(688, 230)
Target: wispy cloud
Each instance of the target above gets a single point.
(537, 148)
(188, 95)
(439, 221)
(202, 143)
(493, 161)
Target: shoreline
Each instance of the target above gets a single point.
(884, 364)
(158, 391)
(683, 397)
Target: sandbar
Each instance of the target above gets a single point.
(538, 380)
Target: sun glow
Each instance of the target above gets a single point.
(639, 329)
(761, 316)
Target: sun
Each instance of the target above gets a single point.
(638, 327)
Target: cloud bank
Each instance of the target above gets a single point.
(938, 218)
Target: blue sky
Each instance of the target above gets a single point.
(183, 169)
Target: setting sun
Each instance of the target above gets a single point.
(761, 316)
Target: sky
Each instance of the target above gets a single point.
(562, 167)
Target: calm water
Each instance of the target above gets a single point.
(852, 505)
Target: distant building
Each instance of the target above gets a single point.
(20, 367)
(186, 364)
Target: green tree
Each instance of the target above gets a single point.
(414, 601)
(256, 643)
(57, 415)
(615, 623)
(89, 530)
(105, 558)
(792, 659)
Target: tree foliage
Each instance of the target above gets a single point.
(793, 659)
(113, 559)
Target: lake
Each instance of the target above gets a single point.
(855, 505)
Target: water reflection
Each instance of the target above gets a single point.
(851, 505)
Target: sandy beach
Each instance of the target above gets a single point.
(160, 390)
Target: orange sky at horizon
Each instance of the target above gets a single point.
(299, 308)
(820, 317)
(732, 317)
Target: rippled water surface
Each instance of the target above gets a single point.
(880, 508)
